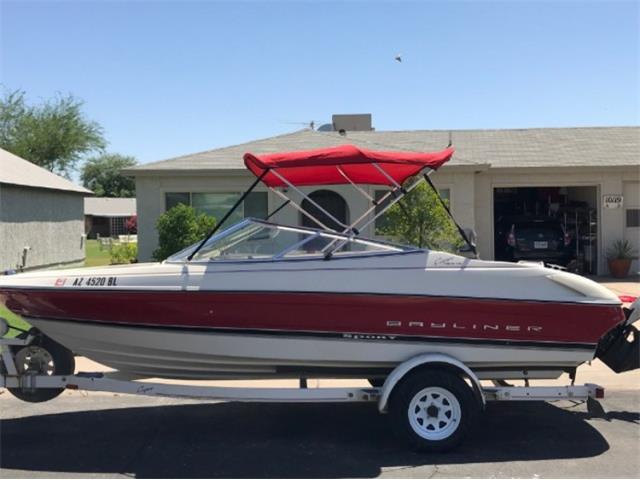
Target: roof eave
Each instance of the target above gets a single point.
(80, 191)
(186, 172)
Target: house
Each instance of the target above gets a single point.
(587, 177)
(41, 217)
(107, 217)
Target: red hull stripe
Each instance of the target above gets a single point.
(419, 316)
(351, 336)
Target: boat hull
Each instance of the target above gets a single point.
(287, 318)
(166, 352)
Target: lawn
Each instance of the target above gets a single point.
(94, 258)
(14, 321)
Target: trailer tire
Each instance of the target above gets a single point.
(31, 359)
(432, 410)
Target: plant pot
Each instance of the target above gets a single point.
(619, 267)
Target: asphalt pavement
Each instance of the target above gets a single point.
(106, 435)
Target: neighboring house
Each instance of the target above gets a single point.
(573, 174)
(107, 217)
(41, 217)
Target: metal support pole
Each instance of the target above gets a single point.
(284, 204)
(308, 198)
(301, 210)
(460, 230)
(229, 212)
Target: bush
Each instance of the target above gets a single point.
(124, 253)
(419, 219)
(180, 227)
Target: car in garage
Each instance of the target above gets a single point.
(535, 239)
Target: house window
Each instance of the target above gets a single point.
(383, 222)
(175, 198)
(256, 205)
(217, 204)
(633, 217)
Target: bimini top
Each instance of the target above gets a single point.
(341, 165)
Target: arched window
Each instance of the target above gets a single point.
(332, 202)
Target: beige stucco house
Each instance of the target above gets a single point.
(587, 177)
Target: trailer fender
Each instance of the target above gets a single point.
(429, 359)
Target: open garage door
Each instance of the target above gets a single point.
(557, 225)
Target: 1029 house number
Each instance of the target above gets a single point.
(612, 201)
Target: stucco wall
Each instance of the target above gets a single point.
(471, 199)
(151, 191)
(631, 190)
(50, 222)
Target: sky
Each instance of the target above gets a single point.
(166, 78)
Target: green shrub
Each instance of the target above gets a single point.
(180, 227)
(124, 253)
(419, 219)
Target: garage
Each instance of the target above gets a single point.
(631, 196)
(556, 225)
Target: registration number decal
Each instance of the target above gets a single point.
(95, 282)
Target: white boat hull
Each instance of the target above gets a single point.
(196, 355)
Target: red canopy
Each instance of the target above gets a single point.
(319, 167)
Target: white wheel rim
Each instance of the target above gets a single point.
(34, 359)
(434, 413)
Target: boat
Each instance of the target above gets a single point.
(263, 300)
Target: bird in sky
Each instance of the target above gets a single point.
(398, 58)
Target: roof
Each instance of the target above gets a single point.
(516, 148)
(342, 165)
(109, 207)
(18, 171)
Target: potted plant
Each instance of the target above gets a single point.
(619, 256)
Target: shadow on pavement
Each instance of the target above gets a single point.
(276, 440)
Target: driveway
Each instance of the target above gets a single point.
(101, 435)
(107, 436)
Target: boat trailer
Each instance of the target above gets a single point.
(117, 382)
(433, 393)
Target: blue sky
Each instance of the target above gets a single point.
(175, 77)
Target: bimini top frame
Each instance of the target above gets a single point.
(345, 164)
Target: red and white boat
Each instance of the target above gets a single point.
(261, 300)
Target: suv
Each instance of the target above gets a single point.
(537, 239)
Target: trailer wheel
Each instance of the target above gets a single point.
(43, 357)
(432, 410)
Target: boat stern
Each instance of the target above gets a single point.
(619, 349)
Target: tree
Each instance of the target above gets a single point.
(102, 174)
(419, 219)
(54, 135)
(180, 227)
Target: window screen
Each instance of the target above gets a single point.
(633, 217)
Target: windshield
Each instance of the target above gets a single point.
(256, 240)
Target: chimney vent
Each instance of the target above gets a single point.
(356, 122)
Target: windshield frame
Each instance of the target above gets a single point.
(388, 248)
